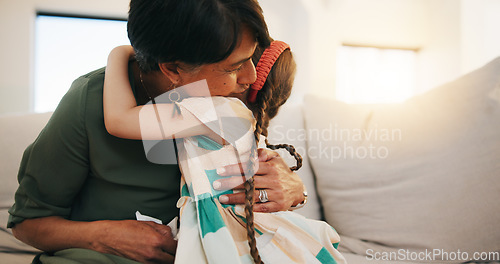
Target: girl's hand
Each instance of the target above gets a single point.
(284, 188)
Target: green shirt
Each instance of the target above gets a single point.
(76, 170)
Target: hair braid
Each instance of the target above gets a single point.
(261, 117)
(263, 123)
(274, 93)
(250, 187)
(291, 150)
(249, 201)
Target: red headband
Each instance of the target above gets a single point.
(266, 62)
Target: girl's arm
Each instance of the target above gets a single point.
(123, 118)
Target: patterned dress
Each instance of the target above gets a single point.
(211, 232)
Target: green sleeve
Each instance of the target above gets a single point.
(54, 167)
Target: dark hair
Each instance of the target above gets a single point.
(274, 93)
(195, 32)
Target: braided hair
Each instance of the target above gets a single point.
(270, 98)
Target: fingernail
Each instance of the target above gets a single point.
(223, 199)
(216, 185)
(221, 170)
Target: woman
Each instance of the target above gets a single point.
(79, 188)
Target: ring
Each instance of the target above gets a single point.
(263, 196)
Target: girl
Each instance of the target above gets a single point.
(210, 132)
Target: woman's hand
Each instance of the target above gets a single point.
(284, 187)
(146, 242)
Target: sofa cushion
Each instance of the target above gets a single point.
(18, 131)
(419, 175)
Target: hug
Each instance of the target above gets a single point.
(86, 175)
(250, 131)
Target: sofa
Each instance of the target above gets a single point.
(417, 182)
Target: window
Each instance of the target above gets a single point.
(375, 75)
(67, 47)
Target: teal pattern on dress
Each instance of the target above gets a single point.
(209, 221)
(211, 232)
(207, 143)
(325, 257)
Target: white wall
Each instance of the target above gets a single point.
(480, 37)
(382, 23)
(461, 37)
(454, 37)
(440, 50)
(432, 26)
(17, 20)
(288, 22)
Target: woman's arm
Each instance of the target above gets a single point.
(123, 118)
